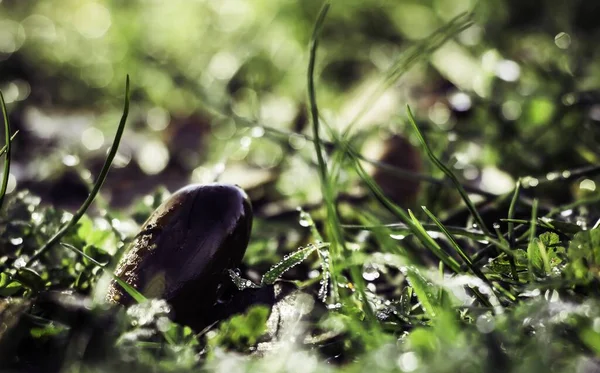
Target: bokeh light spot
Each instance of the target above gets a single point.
(92, 138)
(92, 20)
(152, 157)
(562, 40)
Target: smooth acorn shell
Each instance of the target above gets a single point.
(184, 248)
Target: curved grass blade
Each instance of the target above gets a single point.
(409, 58)
(401, 228)
(337, 238)
(441, 254)
(101, 177)
(411, 222)
(476, 271)
(6, 172)
(4, 148)
(128, 288)
(511, 229)
(425, 292)
(531, 247)
(448, 173)
(288, 262)
(326, 189)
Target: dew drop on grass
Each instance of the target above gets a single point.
(335, 306)
(70, 160)
(16, 241)
(566, 213)
(20, 262)
(305, 218)
(257, 131)
(596, 324)
(485, 323)
(370, 272)
(408, 361)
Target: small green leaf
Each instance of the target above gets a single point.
(425, 291)
(29, 278)
(536, 261)
(584, 257)
(10, 288)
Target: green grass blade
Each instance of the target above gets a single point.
(441, 254)
(530, 246)
(6, 172)
(448, 173)
(128, 288)
(476, 271)
(288, 262)
(511, 214)
(4, 148)
(412, 223)
(337, 239)
(332, 219)
(312, 96)
(101, 177)
(424, 291)
(401, 228)
(511, 229)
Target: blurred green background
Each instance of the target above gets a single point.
(515, 94)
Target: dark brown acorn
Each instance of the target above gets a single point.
(183, 250)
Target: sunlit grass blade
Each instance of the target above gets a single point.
(476, 271)
(4, 148)
(97, 185)
(425, 291)
(437, 250)
(334, 229)
(6, 172)
(337, 249)
(136, 295)
(449, 174)
(511, 228)
(412, 223)
(511, 213)
(408, 59)
(530, 247)
(288, 262)
(401, 228)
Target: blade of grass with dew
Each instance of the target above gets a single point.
(327, 190)
(337, 242)
(101, 177)
(288, 262)
(511, 229)
(401, 228)
(530, 247)
(6, 172)
(476, 271)
(424, 290)
(4, 148)
(136, 295)
(448, 173)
